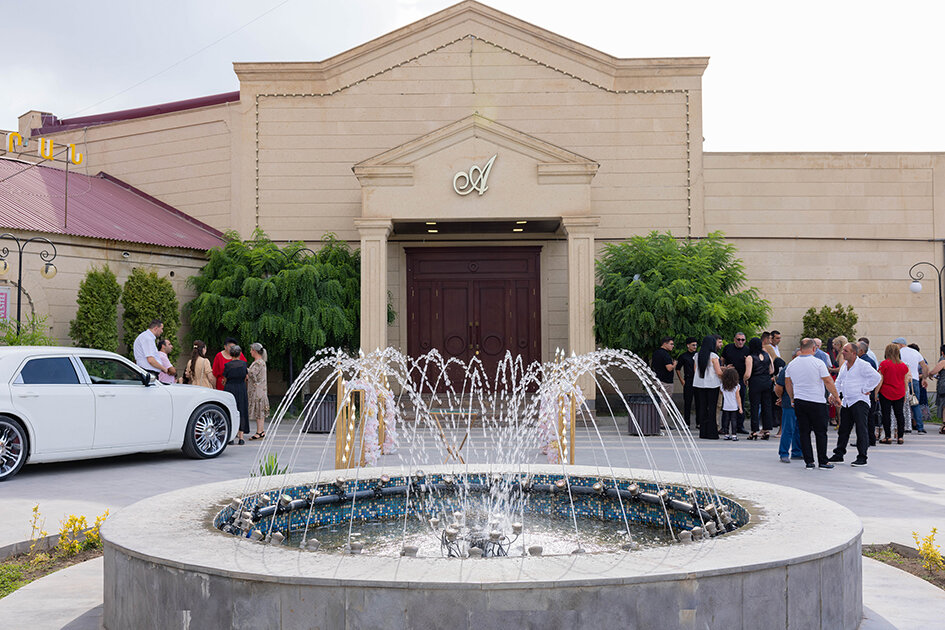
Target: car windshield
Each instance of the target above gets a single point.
(104, 371)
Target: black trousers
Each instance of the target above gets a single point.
(762, 407)
(812, 416)
(885, 404)
(688, 393)
(707, 401)
(856, 415)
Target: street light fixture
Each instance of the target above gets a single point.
(48, 270)
(915, 286)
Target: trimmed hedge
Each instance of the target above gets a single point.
(96, 320)
(145, 297)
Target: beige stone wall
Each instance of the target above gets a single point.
(813, 229)
(816, 229)
(56, 298)
(182, 158)
(308, 144)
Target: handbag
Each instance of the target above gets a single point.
(913, 399)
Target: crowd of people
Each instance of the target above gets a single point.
(802, 393)
(229, 372)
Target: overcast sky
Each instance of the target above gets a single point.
(799, 76)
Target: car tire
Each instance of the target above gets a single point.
(14, 447)
(207, 432)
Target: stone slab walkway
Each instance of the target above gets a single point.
(902, 490)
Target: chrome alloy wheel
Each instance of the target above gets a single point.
(210, 431)
(12, 447)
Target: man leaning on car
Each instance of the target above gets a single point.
(145, 349)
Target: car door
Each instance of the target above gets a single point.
(49, 393)
(127, 412)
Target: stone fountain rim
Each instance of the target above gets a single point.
(174, 529)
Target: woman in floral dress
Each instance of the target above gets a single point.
(258, 390)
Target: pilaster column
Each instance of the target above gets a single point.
(374, 233)
(581, 232)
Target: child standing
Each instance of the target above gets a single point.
(731, 402)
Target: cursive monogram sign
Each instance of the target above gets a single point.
(475, 179)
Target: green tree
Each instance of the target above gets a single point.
(96, 320)
(830, 322)
(654, 286)
(285, 298)
(145, 297)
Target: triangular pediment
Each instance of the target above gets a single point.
(396, 165)
(470, 19)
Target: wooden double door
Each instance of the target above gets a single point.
(474, 302)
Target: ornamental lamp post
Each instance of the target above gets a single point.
(47, 271)
(916, 286)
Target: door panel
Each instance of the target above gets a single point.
(492, 322)
(61, 409)
(128, 413)
(467, 300)
(455, 321)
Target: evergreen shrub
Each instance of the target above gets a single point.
(145, 297)
(828, 323)
(96, 320)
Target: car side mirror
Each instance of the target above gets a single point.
(148, 379)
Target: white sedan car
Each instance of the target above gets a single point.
(59, 404)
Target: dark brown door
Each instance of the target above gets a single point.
(474, 302)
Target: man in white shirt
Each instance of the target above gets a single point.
(805, 379)
(918, 369)
(776, 341)
(856, 380)
(145, 349)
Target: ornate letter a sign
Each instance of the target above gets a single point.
(475, 179)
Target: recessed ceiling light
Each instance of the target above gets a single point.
(517, 229)
(431, 222)
(521, 222)
(433, 231)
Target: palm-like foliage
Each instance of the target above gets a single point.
(654, 286)
(285, 298)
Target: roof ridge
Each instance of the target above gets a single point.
(137, 191)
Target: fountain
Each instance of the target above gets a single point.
(454, 499)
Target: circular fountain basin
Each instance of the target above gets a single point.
(795, 563)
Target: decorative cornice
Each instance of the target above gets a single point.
(469, 19)
(394, 167)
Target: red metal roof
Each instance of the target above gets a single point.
(99, 207)
(51, 124)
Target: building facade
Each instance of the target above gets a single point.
(481, 163)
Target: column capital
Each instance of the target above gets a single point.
(374, 227)
(580, 225)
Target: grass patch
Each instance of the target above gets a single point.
(904, 558)
(20, 570)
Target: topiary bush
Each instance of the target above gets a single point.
(96, 320)
(145, 297)
(830, 322)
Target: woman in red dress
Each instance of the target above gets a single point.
(892, 391)
(222, 358)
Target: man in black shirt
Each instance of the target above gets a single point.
(685, 371)
(734, 354)
(663, 364)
